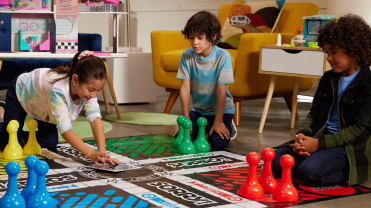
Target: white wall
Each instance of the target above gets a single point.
(149, 15)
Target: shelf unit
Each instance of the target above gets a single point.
(116, 25)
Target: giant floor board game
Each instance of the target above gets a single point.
(159, 178)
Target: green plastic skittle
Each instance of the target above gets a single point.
(178, 140)
(187, 147)
(201, 144)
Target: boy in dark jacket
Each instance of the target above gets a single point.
(333, 145)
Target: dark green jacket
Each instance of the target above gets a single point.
(354, 113)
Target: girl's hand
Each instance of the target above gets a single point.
(102, 157)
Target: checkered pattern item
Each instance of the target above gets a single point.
(67, 45)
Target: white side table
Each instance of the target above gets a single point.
(290, 61)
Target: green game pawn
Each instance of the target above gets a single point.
(187, 147)
(201, 144)
(179, 138)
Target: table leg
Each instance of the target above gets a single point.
(109, 81)
(105, 98)
(294, 101)
(267, 103)
(1, 63)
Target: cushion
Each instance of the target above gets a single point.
(171, 59)
(253, 17)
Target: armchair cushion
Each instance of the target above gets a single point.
(254, 17)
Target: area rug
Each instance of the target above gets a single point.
(80, 126)
(148, 119)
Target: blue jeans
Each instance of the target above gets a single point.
(215, 141)
(325, 167)
(47, 134)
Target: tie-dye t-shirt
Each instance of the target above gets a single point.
(52, 102)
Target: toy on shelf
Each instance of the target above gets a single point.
(44, 4)
(31, 5)
(23, 45)
(18, 4)
(312, 24)
(298, 40)
(45, 46)
(6, 4)
(33, 42)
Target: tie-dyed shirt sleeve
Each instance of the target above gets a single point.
(60, 110)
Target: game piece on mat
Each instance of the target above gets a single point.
(12, 197)
(41, 198)
(252, 189)
(179, 138)
(201, 144)
(32, 147)
(13, 150)
(285, 191)
(187, 147)
(30, 187)
(266, 179)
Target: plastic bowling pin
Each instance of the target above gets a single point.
(267, 180)
(285, 191)
(13, 150)
(179, 138)
(12, 197)
(187, 147)
(252, 189)
(32, 147)
(41, 198)
(30, 187)
(201, 144)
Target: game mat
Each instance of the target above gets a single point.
(162, 178)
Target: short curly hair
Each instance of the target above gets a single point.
(352, 34)
(203, 22)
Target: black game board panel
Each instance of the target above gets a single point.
(182, 194)
(200, 162)
(232, 179)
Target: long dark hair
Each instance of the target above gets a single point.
(88, 67)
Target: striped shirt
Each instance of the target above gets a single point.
(205, 75)
(52, 103)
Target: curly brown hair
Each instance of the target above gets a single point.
(352, 34)
(203, 22)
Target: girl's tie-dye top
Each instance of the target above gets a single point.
(52, 102)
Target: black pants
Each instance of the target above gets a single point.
(47, 134)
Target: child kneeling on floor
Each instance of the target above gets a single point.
(333, 145)
(55, 97)
(205, 70)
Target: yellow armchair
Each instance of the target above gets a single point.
(167, 47)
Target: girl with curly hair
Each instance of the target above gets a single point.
(333, 145)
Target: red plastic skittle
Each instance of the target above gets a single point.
(252, 189)
(285, 191)
(267, 180)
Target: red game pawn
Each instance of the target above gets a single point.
(252, 189)
(285, 191)
(266, 179)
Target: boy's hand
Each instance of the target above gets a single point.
(176, 129)
(102, 157)
(297, 147)
(220, 129)
(310, 144)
